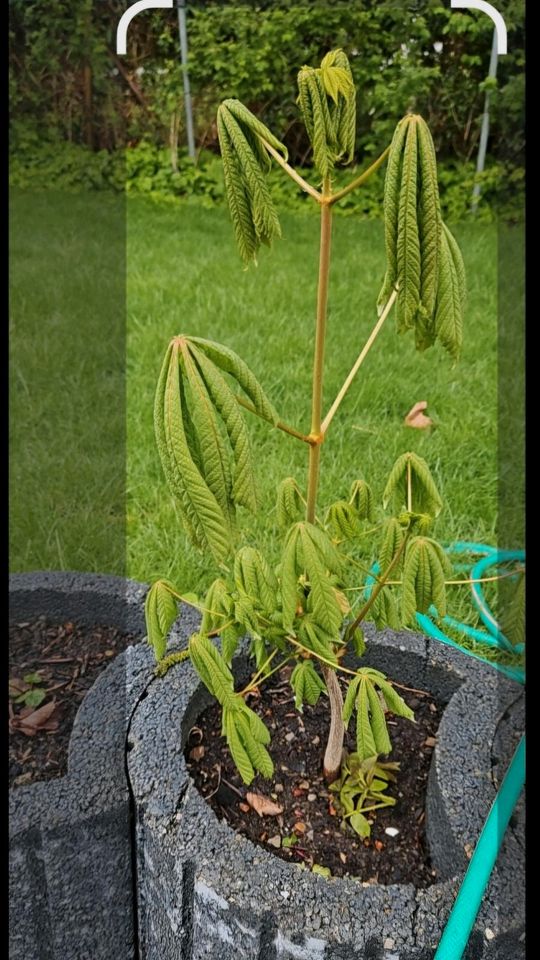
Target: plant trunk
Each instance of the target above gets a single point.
(334, 747)
(318, 361)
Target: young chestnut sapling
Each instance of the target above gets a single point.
(298, 612)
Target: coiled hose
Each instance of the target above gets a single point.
(471, 892)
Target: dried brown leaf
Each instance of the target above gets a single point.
(417, 418)
(263, 806)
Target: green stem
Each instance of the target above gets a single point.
(292, 172)
(318, 361)
(377, 589)
(358, 363)
(279, 425)
(361, 179)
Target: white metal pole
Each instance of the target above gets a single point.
(484, 133)
(184, 60)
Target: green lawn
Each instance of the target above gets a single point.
(68, 391)
(184, 276)
(67, 383)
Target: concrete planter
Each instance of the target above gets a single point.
(204, 891)
(125, 860)
(71, 877)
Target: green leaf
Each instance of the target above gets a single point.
(393, 701)
(203, 516)
(238, 752)
(342, 518)
(316, 639)
(423, 579)
(290, 503)
(326, 611)
(306, 683)
(392, 188)
(33, 678)
(251, 122)
(359, 642)
(408, 241)
(350, 699)
(360, 824)
(290, 841)
(289, 579)
(160, 610)
(33, 698)
(425, 496)
(448, 323)
(321, 871)
(383, 610)
(214, 459)
(430, 222)
(378, 722)
(218, 606)
(245, 165)
(258, 755)
(365, 742)
(392, 539)
(362, 499)
(316, 114)
(213, 671)
(229, 361)
(244, 490)
(255, 578)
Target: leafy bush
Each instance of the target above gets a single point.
(147, 169)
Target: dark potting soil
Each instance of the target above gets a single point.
(298, 787)
(63, 661)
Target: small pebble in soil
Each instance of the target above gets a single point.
(391, 831)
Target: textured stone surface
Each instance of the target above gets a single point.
(71, 884)
(199, 890)
(220, 896)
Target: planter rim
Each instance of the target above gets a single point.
(227, 866)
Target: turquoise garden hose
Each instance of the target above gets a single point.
(467, 904)
(493, 636)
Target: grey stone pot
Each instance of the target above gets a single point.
(204, 891)
(71, 876)
(125, 860)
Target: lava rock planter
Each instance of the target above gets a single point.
(205, 891)
(71, 878)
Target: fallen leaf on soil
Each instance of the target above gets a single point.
(322, 871)
(343, 857)
(17, 686)
(299, 827)
(245, 807)
(197, 753)
(263, 806)
(41, 719)
(430, 741)
(416, 417)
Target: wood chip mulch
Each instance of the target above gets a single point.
(60, 663)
